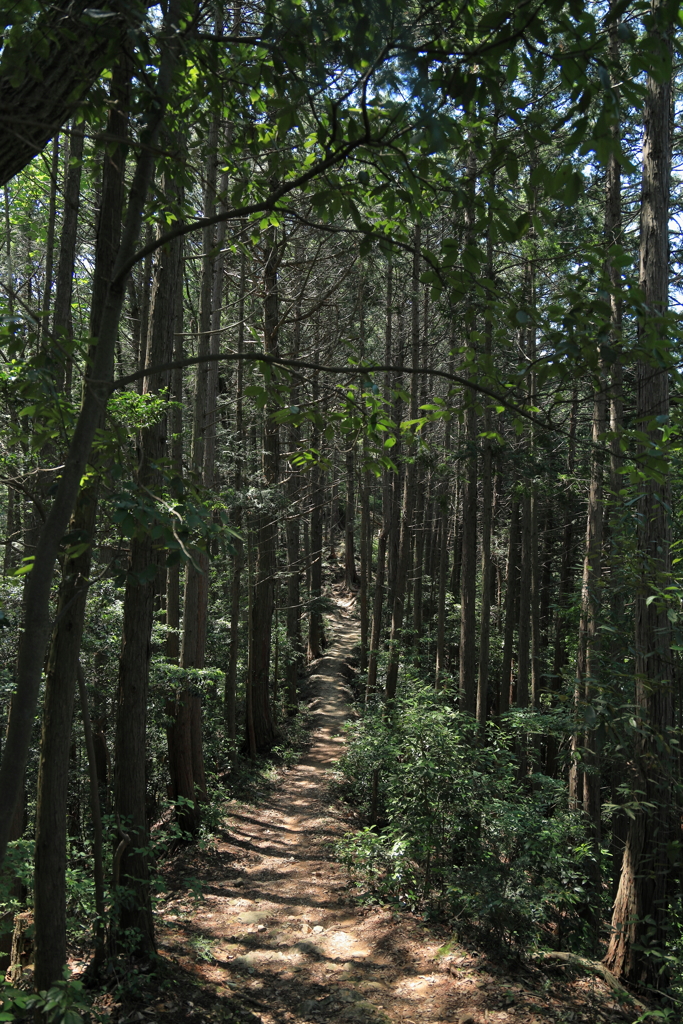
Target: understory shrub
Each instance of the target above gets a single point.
(461, 828)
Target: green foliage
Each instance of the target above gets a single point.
(203, 947)
(459, 830)
(64, 1003)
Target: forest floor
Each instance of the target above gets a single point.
(263, 926)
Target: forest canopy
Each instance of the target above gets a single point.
(378, 292)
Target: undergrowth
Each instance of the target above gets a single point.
(455, 828)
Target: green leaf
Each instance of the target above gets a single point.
(71, 1017)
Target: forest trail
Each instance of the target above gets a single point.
(276, 936)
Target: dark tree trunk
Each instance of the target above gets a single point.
(377, 610)
(524, 626)
(640, 920)
(68, 52)
(35, 636)
(387, 508)
(175, 433)
(65, 645)
(394, 526)
(468, 571)
(443, 572)
(418, 562)
(408, 493)
(238, 558)
(62, 321)
(50, 245)
(511, 592)
(487, 497)
(266, 569)
(350, 575)
(138, 618)
(295, 655)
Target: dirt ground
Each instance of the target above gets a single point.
(275, 935)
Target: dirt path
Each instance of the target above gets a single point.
(277, 932)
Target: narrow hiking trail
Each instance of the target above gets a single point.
(277, 937)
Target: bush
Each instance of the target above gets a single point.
(459, 830)
(63, 1003)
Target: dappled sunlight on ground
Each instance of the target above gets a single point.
(277, 931)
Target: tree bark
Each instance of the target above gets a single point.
(511, 593)
(69, 49)
(316, 634)
(468, 571)
(365, 559)
(238, 558)
(387, 506)
(175, 434)
(294, 663)
(138, 617)
(50, 244)
(65, 645)
(640, 919)
(264, 590)
(377, 614)
(34, 638)
(486, 499)
(350, 574)
(408, 491)
(62, 320)
(443, 505)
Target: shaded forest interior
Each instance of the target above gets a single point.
(386, 296)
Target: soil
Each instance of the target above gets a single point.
(268, 928)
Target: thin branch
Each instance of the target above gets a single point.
(362, 370)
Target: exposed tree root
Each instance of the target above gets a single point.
(595, 967)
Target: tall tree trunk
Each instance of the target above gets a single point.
(350, 575)
(524, 626)
(640, 920)
(65, 644)
(443, 506)
(584, 785)
(564, 586)
(511, 594)
(486, 498)
(409, 489)
(50, 243)
(195, 609)
(468, 572)
(37, 590)
(567, 557)
(62, 320)
(175, 433)
(238, 558)
(365, 562)
(292, 530)
(196, 571)
(264, 590)
(12, 529)
(387, 504)
(136, 918)
(615, 556)
(377, 610)
(316, 633)
(534, 498)
(394, 526)
(418, 561)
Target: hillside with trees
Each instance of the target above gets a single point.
(376, 294)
